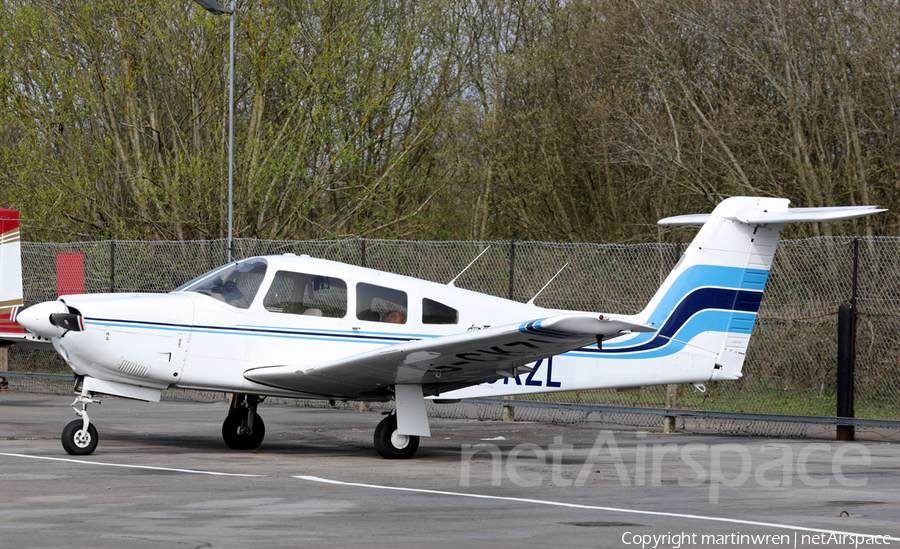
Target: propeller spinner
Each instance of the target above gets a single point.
(49, 319)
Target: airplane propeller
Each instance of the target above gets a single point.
(49, 319)
(69, 321)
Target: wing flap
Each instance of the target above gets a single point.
(448, 362)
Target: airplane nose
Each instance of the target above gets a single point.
(44, 319)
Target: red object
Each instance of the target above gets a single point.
(9, 234)
(70, 274)
(9, 220)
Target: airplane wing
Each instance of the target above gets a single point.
(450, 362)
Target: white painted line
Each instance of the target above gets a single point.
(83, 462)
(596, 508)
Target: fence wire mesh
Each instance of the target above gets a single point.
(790, 367)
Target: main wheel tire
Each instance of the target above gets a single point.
(78, 443)
(392, 445)
(235, 439)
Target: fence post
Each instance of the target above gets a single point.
(512, 265)
(847, 353)
(4, 367)
(362, 252)
(845, 371)
(509, 412)
(112, 266)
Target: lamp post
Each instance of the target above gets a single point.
(216, 8)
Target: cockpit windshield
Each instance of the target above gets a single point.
(235, 283)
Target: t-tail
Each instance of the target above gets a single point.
(10, 273)
(703, 314)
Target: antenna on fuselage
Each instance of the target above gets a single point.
(531, 301)
(467, 266)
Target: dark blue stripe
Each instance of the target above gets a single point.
(277, 331)
(698, 300)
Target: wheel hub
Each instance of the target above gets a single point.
(399, 441)
(82, 438)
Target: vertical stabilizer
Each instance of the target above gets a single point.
(10, 271)
(708, 304)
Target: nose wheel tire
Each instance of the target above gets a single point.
(76, 441)
(392, 445)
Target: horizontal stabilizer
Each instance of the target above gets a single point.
(790, 215)
(807, 215)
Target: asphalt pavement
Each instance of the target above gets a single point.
(162, 477)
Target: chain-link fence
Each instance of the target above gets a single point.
(791, 363)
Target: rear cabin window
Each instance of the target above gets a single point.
(434, 312)
(307, 294)
(380, 304)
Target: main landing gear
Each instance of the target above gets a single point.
(79, 438)
(243, 429)
(392, 445)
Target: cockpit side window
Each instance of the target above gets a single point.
(307, 294)
(236, 283)
(380, 304)
(438, 313)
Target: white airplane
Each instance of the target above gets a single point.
(296, 326)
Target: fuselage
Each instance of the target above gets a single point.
(298, 312)
(268, 311)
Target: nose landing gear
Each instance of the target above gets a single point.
(79, 438)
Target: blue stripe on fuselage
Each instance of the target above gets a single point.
(727, 303)
(752, 281)
(700, 276)
(263, 331)
(704, 321)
